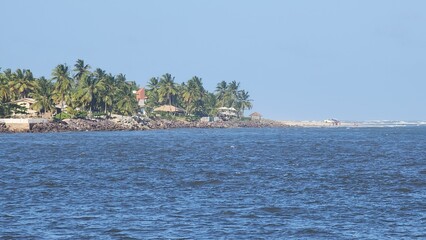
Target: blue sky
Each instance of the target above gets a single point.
(300, 59)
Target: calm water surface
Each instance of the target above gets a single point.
(365, 183)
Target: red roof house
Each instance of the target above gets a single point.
(140, 94)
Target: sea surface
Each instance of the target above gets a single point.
(282, 183)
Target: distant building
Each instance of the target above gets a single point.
(226, 114)
(332, 121)
(141, 98)
(61, 107)
(27, 103)
(256, 116)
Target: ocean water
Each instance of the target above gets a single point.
(283, 183)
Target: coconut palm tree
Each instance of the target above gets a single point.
(99, 73)
(153, 84)
(107, 95)
(221, 90)
(232, 93)
(5, 93)
(127, 103)
(152, 93)
(43, 96)
(120, 79)
(167, 88)
(63, 84)
(210, 103)
(193, 94)
(244, 101)
(90, 87)
(22, 83)
(80, 69)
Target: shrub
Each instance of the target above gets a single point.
(61, 116)
(192, 118)
(80, 114)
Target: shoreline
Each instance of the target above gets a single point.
(129, 124)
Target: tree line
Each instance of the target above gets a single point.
(99, 92)
(79, 88)
(194, 98)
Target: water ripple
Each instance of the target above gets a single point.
(214, 183)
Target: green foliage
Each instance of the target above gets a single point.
(7, 109)
(89, 89)
(167, 89)
(43, 95)
(81, 114)
(229, 95)
(5, 89)
(166, 115)
(192, 118)
(63, 84)
(98, 93)
(80, 70)
(61, 116)
(22, 83)
(192, 96)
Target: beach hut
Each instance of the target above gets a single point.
(225, 113)
(256, 116)
(169, 108)
(27, 103)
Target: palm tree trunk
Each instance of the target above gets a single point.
(62, 103)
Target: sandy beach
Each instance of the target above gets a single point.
(293, 123)
(349, 124)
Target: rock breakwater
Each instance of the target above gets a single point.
(129, 124)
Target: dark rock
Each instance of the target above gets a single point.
(139, 124)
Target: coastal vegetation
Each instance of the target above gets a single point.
(194, 98)
(81, 92)
(78, 92)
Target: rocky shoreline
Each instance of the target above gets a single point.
(130, 124)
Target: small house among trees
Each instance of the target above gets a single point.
(26, 103)
(256, 116)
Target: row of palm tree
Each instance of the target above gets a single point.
(79, 88)
(194, 98)
(100, 92)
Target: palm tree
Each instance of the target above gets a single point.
(127, 103)
(210, 103)
(120, 79)
(22, 82)
(152, 93)
(90, 87)
(167, 89)
(43, 96)
(221, 90)
(153, 84)
(81, 69)
(99, 73)
(5, 93)
(107, 95)
(244, 101)
(63, 85)
(193, 93)
(232, 93)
